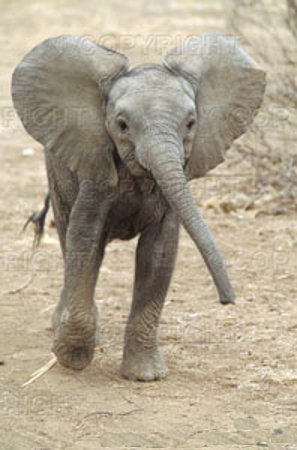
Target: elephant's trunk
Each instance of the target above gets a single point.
(164, 161)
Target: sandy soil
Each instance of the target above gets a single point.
(232, 370)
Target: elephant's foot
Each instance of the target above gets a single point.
(142, 364)
(74, 338)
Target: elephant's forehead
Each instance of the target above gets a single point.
(150, 82)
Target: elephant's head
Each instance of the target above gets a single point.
(174, 121)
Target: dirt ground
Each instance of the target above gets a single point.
(232, 379)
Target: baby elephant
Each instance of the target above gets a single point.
(120, 146)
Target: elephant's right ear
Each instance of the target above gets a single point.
(58, 91)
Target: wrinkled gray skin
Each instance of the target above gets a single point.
(136, 206)
(151, 118)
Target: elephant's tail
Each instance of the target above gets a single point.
(38, 219)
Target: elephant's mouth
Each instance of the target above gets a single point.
(126, 159)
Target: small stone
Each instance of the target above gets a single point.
(278, 431)
(2, 362)
(262, 444)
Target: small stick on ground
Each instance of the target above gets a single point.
(38, 373)
(112, 413)
(22, 287)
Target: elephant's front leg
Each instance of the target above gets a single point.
(156, 253)
(75, 318)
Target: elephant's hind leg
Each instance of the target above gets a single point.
(156, 254)
(63, 187)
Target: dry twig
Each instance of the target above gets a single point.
(38, 373)
(22, 287)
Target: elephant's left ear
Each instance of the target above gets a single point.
(229, 88)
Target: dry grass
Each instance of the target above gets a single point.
(268, 28)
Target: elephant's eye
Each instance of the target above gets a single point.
(122, 124)
(190, 124)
